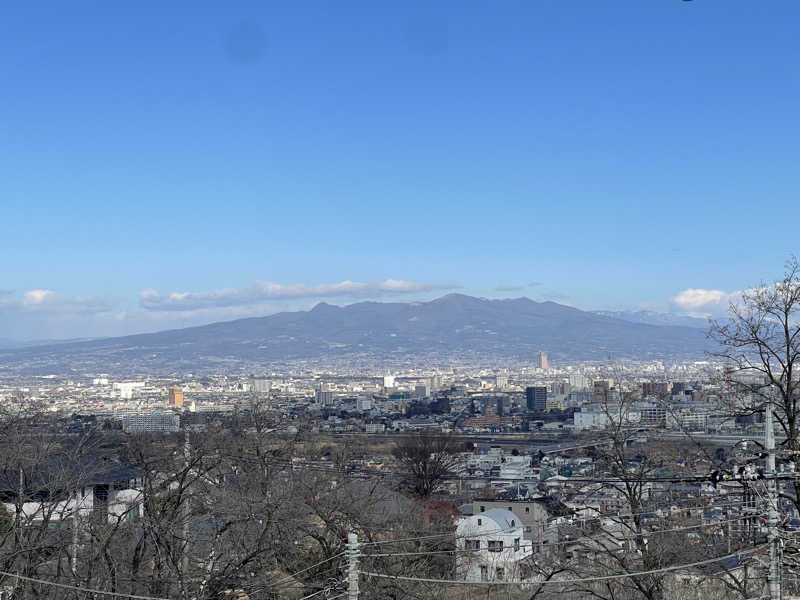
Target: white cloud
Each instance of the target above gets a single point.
(45, 314)
(699, 302)
(38, 297)
(264, 291)
(48, 302)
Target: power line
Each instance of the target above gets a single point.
(579, 540)
(293, 575)
(321, 591)
(77, 588)
(563, 581)
(382, 474)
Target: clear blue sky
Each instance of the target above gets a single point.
(615, 153)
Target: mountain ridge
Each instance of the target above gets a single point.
(455, 324)
(651, 317)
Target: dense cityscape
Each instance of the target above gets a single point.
(570, 474)
(553, 399)
(363, 300)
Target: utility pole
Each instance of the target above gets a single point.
(353, 554)
(185, 513)
(75, 526)
(774, 577)
(20, 505)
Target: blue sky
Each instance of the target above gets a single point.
(166, 164)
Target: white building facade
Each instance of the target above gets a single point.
(497, 545)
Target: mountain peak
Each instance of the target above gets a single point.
(322, 307)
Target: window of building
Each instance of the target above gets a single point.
(513, 523)
(527, 509)
(480, 522)
(495, 545)
(472, 544)
(529, 529)
(500, 573)
(483, 508)
(516, 544)
(484, 572)
(509, 509)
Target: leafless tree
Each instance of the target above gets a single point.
(622, 540)
(760, 344)
(426, 459)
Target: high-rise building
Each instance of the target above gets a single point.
(260, 385)
(503, 405)
(536, 398)
(388, 381)
(543, 363)
(577, 381)
(561, 388)
(324, 397)
(600, 389)
(176, 396)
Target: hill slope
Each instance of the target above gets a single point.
(453, 324)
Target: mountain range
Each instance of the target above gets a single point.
(454, 325)
(650, 317)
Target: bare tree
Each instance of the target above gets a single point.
(628, 538)
(760, 343)
(426, 459)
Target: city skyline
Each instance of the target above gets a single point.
(165, 168)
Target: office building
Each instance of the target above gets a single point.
(175, 396)
(324, 398)
(536, 398)
(503, 406)
(260, 385)
(578, 381)
(543, 362)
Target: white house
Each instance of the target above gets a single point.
(118, 504)
(497, 545)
